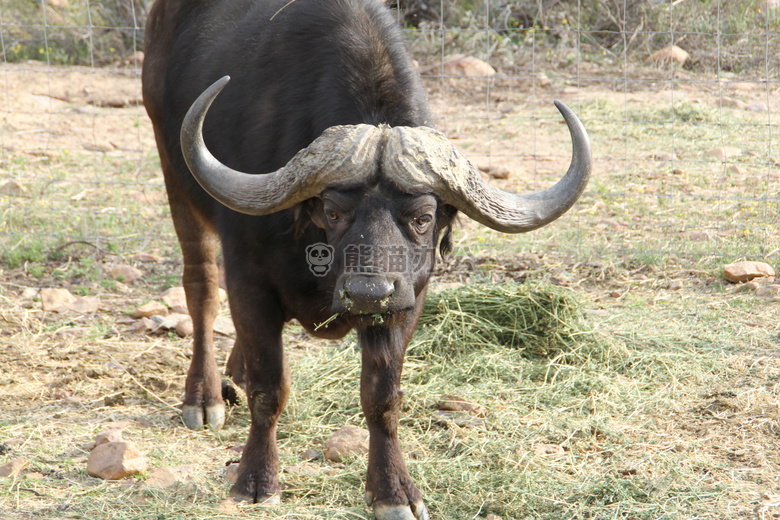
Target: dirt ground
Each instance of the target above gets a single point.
(62, 371)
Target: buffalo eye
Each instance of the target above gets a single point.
(332, 216)
(422, 222)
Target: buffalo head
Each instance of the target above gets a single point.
(383, 195)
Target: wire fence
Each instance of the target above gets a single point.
(686, 161)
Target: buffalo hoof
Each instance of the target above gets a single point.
(411, 512)
(273, 499)
(195, 417)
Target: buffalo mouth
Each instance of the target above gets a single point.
(365, 321)
(372, 296)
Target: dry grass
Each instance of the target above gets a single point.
(682, 424)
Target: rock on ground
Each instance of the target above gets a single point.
(455, 403)
(165, 477)
(125, 273)
(150, 309)
(116, 460)
(671, 54)
(231, 473)
(461, 65)
(56, 299)
(106, 436)
(175, 299)
(746, 270)
(349, 441)
(13, 468)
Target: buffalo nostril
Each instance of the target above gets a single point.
(368, 294)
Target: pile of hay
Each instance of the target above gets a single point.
(542, 319)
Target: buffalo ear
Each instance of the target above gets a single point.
(306, 213)
(313, 209)
(445, 216)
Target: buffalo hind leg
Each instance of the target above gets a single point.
(203, 404)
(266, 375)
(389, 488)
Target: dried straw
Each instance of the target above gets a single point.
(542, 319)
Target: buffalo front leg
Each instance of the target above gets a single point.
(259, 323)
(203, 404)
(389, 488)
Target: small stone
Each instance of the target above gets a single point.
(57, 300)
(110, 435)
(224, 325)
(727, 102)
(150, 309)
(135, 59)
(169, 322)
(505, 107)
(72, 332)
(542, 80)
(231, 473)
(229, 505)
(349, 441)
(757, 107)
(165, 477)
(175, 299)
(125, 273)
(742, 85)
(447, 418)
(498, 172)
(119, 425)
(768, 290)
(461, 65)
(147, 257)
(671, 54)
(724, 152)
(663, 156)
(455, 403)
(13, 188)
(746, 270)
(115, 461)
(309, 455)
(734, 169)
(747, 287)
(85, 305)
(185, 328)
(676, 285)
(144, 325)
(699, 235)
(29, 293)
(13, 468)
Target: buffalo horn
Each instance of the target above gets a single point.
(412, 157)
(416, 156)
(341, 152)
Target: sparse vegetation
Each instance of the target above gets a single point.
(637, 399)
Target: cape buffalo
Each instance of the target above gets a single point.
(357, 191)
